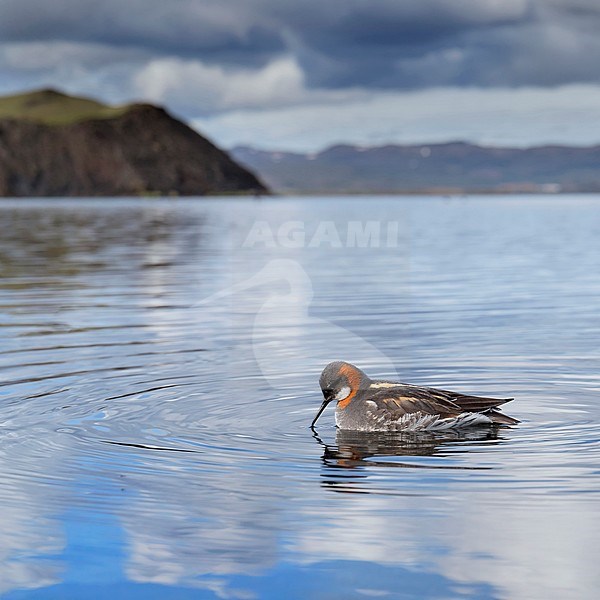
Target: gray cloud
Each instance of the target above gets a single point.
(214, 31)
(338, 44)
(303, 74)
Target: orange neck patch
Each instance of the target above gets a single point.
(353, 376)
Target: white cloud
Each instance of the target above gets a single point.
(208, 88)
(519, 117)
(272, 106)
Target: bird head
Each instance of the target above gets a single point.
(340, 381)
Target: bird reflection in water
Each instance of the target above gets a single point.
(349, 461)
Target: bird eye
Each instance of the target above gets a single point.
(328, 393)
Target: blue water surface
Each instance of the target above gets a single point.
(159, 364)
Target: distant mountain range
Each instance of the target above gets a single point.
(429, 168)
(52, 144)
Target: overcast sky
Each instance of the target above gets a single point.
(301, 74)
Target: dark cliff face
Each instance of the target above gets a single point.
(142, 151)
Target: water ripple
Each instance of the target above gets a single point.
(134, 408)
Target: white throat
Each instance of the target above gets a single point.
(343, 393)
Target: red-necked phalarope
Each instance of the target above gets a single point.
(364, 404)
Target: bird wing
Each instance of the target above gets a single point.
(477, 403)
(402, 399)
(473, 403)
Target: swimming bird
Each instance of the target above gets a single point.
(364, 404)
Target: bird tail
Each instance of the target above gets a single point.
(498, 417)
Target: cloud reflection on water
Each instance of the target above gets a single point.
(101, 343)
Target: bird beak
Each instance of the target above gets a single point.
(329, 396)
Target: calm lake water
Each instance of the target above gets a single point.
(159, 366)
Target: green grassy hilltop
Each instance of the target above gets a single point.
(52, 144)
(53, 108)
